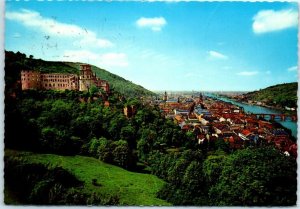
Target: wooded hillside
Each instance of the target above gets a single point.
(280, 95)
(15, 62)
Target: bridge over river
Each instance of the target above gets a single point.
(282, 118)
(269, 116)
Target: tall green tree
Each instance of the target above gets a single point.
(256, 177)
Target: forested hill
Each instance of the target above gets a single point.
(14, 62)
(280, 95)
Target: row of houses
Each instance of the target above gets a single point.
(213, 119)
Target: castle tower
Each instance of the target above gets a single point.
(30, 79)
(85, 77)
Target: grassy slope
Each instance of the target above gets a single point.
(132, 188)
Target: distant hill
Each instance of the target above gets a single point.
(280, 95)
(14, 62)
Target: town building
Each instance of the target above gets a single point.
(165, 96)
(62, 81)
(210, 119)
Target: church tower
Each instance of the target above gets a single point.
(201, 96)
(165, 96)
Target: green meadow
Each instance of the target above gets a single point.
(131, 188)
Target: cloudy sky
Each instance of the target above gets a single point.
(164, 45)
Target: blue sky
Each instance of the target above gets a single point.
(164, 45)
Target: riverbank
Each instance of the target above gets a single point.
(291, 125)
(258, 103)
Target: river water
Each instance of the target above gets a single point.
(258, 109)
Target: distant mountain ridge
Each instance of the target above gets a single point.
(15, 62)
(280, 95)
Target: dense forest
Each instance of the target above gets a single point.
(280, 95)
(50, 135)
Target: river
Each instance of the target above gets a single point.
(258, 109)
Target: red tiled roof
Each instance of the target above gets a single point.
(246, 132)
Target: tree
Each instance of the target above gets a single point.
(175, 173)
(104, 150)
(128, 134)
(193, 177)
(220, 144)
(194, 184)
(54, 140)
(81, 127)
(256, 177)
(212, 166)
(94, 145)
(115, 125)
(143, 149)
(122, 155)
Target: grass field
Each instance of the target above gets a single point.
(132, 188)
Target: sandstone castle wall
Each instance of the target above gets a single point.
(61, 81)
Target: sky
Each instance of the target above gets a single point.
(194, 46)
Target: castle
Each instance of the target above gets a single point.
(62, 81)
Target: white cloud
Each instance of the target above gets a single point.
(16, 35)
(147, 54)
(247, 73)
(114, 59)
(105, 60)
(217, 55)
(79, 56)
(268, 72)
(51, 27)
(293, 68)
(270, 20)
(92, 41)
(155, 23)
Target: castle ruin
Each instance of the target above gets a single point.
(62, 81)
